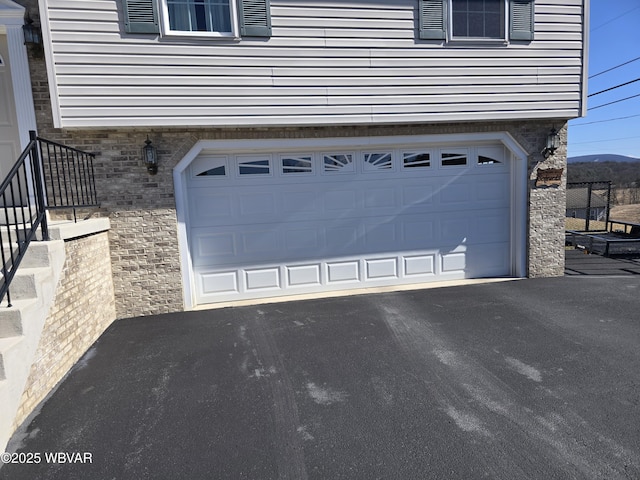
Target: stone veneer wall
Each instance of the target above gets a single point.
(144, 238)
(144, 243)
(83, 308)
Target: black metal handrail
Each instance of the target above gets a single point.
(47, 175)
(69, 174)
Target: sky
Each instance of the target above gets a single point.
(614, 40)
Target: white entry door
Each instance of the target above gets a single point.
(264, 224)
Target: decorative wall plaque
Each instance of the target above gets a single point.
(551, 177)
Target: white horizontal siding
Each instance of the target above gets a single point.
(327, 62)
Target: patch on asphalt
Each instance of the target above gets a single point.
(467, 422)
(325, 395)
(523, 369)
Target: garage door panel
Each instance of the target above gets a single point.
(418, 231)
(343, 271)
(303, 275)
(263, 235)
(454, 261)
(207, 207)
(303, 240)
(218, 283)
(380, 234)
(489, 260)
(380, 199)
(257, 243)
(340, 200)
(417, 197)
(262, 279)
(257, 204)
(213, 247)
(381, 268)
(495, 189)
(456, 192)
(419, 265)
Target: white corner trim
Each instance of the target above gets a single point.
(182, 212)
(49, 61)
(519, 207)
(586, 38)
(11, 22)
(21, 79)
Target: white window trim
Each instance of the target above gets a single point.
(166, 29)
(502, 40)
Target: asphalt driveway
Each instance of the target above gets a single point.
(529, 379)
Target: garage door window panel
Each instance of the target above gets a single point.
(210, 166)
(454, 158)
(378, 162)
(491, 156)
(416, 160)
(297, 164)
(338, 163)
(252, 165)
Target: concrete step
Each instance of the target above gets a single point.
(27, 282)
(34, 274)
(14, 320)
(37, 255)
(12, 353)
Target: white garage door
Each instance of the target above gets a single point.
(264, 224)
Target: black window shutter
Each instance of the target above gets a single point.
(255, 18)
(140, 16)
(432, 19)
(521, 24)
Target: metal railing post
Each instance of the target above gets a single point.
(588, 213)
(39, 184)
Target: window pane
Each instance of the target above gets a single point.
(453, 159)
(338, 163)
(377, 161)
(478, 18)
(413, 160)
(297, 164)
(199, 15)
(217, 171)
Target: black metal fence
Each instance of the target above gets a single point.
(47, 175)
(588, 206)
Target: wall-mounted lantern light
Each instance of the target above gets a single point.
(32, 33)
(150, 157)
(553, 142)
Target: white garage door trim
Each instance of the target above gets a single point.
(210, 147)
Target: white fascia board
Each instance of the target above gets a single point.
(584, 84)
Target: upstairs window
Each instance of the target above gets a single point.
(210, 16)
(484, 20)
(478, 19)
(199, 18)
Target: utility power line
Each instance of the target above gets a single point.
(604, 141)
(613, 68)
(615, 101)
(613, 88)
(614, 18)
(603, 121)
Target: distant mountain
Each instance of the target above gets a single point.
(604, 157)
